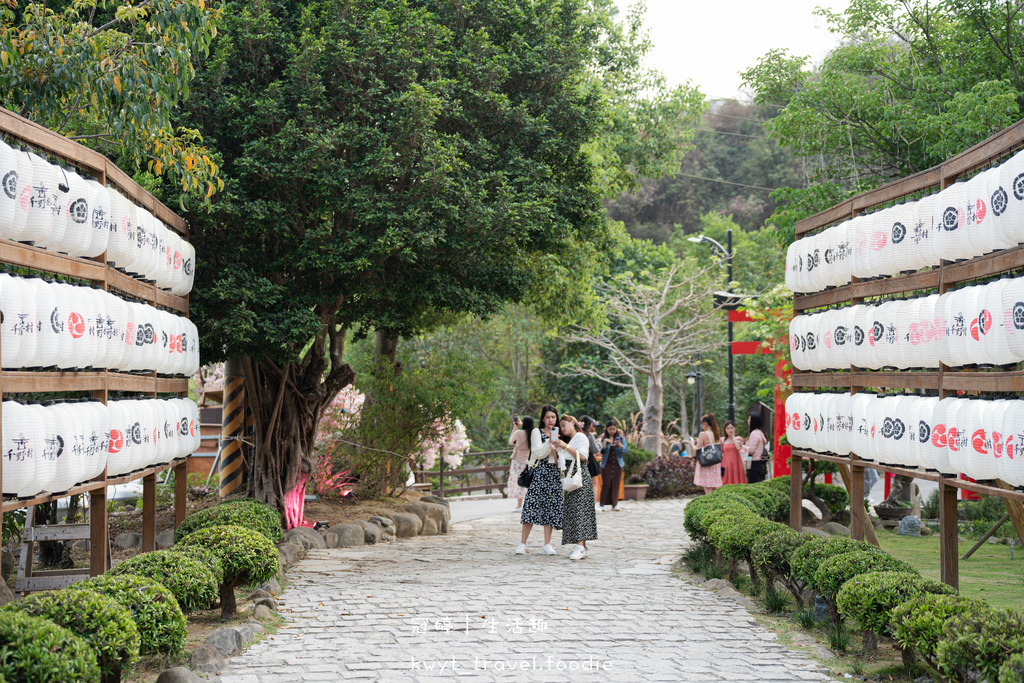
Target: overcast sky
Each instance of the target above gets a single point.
(709, 42)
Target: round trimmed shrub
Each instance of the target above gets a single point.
(835, 497)
(835, 571)
(869, 599)
(161, 624)
(245, 512)
(919, 624)
(977, 642)
(806, 558)
(206, 557)
(771, 552)
(766, 502)
(102, 622)
(696, 510)
(248, 557)
(736, 537)
(38, 650)
(192, 584)
(1012, 670)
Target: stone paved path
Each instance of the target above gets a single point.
(462, 606)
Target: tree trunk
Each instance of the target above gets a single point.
(682, 409)
(228, 607)
(287, 403)
(386, 347)
(653, 410)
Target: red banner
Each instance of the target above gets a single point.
(782, 453)
(746, 348)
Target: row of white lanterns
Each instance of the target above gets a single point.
(51, 324)
(983, 439)
(967, 219)
(54, 447)
(978, 325)
(57, 209)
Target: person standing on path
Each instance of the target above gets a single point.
(708, 477)
(613, 450)
(589, 428)
(543, 502)
(735, 471)
(520, 442)
(756, 444)
(579, 518)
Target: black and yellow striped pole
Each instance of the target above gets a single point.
(232, 461)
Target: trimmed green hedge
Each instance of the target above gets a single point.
(805, 559)
(100, 621)
(920, 624)
(161, 624)
(833, 572)
(38, 650)
(869, 599)
(693, 521)
(1012, 670)
(193, 585)
(979, 640)
(206, 557)
(835, 497)
(248, 557)
(246, 513)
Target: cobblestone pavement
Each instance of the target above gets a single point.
(384, 612)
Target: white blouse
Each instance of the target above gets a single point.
(540, 450)
(579, 443)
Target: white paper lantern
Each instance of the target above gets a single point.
(994, 417)
(796, 353)
(844, 423)
(121, 231)
(48, 336)
(76, 214)
(990, 209)
(956, 442)
(911, 453)
(46, 460)
(944, 211)
(795, 420)
(75, 343)
(188, 269)
(128, 347)
(940, 436)
(975, 217)
(98, 225)
(30, 325)
(69, 469)
(118, 454)
(925, 449)
(883, 331)
(1013, 429)
(895, 436)
(53, 449)
(194, 427)
(1011, 180)
(11, 307)
(10, 190)
(979, 321)
(831, 273)
(975, 452)
(42, 202)
(812, 262)
(145, 234)
(923, 230)
(902, 254)
(22, 436)
(943, 325)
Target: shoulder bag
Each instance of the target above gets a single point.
(710, 455)
(592, 465)
(573, 476)
(525, 478)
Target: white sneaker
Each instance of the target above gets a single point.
(579, 553)
(548, 550)
(521, 549)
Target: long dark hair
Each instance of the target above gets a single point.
(587, 423)
(611, 423)
(544, 411)
(528, 427)
(710, 421)
(755, 422)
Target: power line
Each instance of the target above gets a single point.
(738, 118)
(727, 182)
(736, 99)
(738, 135)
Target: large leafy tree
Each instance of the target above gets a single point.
(111, 75)
(388, 160)
(914, 83)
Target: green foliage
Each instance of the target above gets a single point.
(113, 75)
(161, 624)
(988, 509)
(190, 581)
(930, 507)
(636, 459)
(248, 513)
(871, 598)
(204, 556)
(669, 476)
(837, 635)
(770, 502)
(1012, 670)
(919, 624)
(99, 620)
(835, 497)
(836, 570)
(805, 617)
(698, 514)
(13, 525)
(699, 556)
(38, 650)
(735, 538)
(248, 556)
(809, 555)
(775, 602)
(977, 642)
(771, 552)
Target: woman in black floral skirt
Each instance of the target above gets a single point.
(543, 503)
(580, 522)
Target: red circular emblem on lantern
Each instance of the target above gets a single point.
(878, 240)
(978, 441)
(76, 325)
(939, 436)
(116, 441)
(951, 439)
(981, 210)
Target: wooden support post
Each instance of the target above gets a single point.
(180, 493)
(1015, 509)
(149, 513)
(988, 535)
(99, 546)
(949, 535)
(796, 497)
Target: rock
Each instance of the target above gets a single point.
(165, 539)
(803, 639)
(426, 511)
(259, 594)
(836, 529)
(445, 526)
(227, 641)
(813, 531)
(262, 612)
(922, 679)
(698, 580)
(178, 674)
(842, 517)
(81, 544)
(371, 532)
(349, 535)
(993, 540)
(269, 603)
(7, 563)
(129, 540)
(717, 584)
(331, 539)
(820, 608)
(736, 596)
(823, 652)
(428, 498)
(383, 522)
(6, 595)
(429, 527)
(306, 537)
(407, 525)
(207, 659)
(287, 553)
(249, 632)
(910, 526)
(272, 587)
(926, 531)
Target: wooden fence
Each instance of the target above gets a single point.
(940, 279)
(494, 476)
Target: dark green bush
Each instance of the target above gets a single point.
(669, 476)
(161, 624)
(977, 642)
(780, 484)
(1012, 670)
(767, 502)
(37, 650)
(770, 554)
(919, 624)
(246, 513)
(635, 459)
(206, 557)
(696, 510)
(248, 557)
(806, 558)
(833, 572)
(193, 585)
(835, 497)
(100, 621)
(869, 599)
(735, 538)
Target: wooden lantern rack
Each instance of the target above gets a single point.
(944, 381)
(98, 383)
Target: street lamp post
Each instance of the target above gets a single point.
(726, 255)
(693, 379)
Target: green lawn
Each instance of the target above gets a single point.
(989, 574)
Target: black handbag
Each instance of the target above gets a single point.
(710, 455)
(525, 477)
(592, 465)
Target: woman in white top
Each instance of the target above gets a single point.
(579, 520)
(543, 503)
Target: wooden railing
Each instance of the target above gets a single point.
(493, 474)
